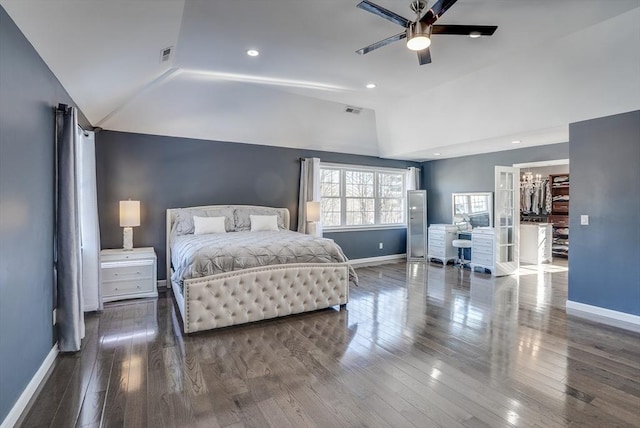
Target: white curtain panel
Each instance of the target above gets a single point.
(309, 189)
(89, 228)
(413, 178)
(69, 300)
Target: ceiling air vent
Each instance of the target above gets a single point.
(165, 54)
(352, 109)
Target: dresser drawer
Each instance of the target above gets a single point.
(436, 239)
(482, 259)
(119, 288)
(482, 245)
(132, 271)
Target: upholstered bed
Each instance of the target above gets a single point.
(245, 275)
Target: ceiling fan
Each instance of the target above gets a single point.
(418, 33)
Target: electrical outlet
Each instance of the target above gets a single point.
(381, 245)
(584, 219)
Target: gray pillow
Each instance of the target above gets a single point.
(183, 223)
(243, 221)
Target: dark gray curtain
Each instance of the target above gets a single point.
(70, 317)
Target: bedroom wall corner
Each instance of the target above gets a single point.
(29, 93)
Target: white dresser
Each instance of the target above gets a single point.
(483, 248)
(128, 274)
(536, 242)
(441, 238)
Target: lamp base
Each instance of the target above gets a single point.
(127, 238)
(314, 228)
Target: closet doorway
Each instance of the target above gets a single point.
(544, 212)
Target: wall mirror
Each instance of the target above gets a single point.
(474, 209)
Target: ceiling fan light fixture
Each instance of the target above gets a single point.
(418, 36)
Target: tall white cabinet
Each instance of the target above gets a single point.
(416, 225)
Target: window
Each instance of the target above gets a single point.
(362, 197)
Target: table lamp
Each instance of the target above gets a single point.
(129, 217)
(313, 217)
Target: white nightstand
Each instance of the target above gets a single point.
(128, 274)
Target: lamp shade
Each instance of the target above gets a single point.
(313, 211)
(129, 213)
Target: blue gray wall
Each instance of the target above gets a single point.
(605, 177)
(28, 93)
(475, 173)
(169, 172)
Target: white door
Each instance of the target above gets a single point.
(507, 220)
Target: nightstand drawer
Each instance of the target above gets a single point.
(119, 288)
(115, 271)
(128, 274)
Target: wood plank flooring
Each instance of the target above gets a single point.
(418, 346)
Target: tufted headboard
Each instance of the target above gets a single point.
(171, 216)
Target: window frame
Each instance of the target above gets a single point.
(343, 227)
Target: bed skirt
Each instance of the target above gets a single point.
(260, 293)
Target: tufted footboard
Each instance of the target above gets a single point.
(260, 293)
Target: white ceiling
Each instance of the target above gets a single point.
(549, 63)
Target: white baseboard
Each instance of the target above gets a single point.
(161, 284)
(32, 386)
(372, 261)
(604, 316)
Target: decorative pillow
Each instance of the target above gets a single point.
(263, 222)
(205, 225)
(243, 221)
(183, 223)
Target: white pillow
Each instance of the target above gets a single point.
(264, 222)
(204, 225)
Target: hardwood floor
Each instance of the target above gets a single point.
(418, 345)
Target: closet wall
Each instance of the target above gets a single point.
(536, 208)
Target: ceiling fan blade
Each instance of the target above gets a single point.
(383, 13)
(464, 30)
(436, 11)
(424, 56)
(382, 43)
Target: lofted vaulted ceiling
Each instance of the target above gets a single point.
(549, 63)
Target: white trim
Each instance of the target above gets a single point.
(21, 404)
(604, 316)
(542, 163)
(379, 260)
(161, 284)
(363, 228)
(372, 168)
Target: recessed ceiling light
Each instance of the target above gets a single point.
(437, 154)
(253, 52)
(516, 142)
(475, 34)
(371, 85)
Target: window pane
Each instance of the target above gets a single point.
(329, 182)
(391, 185)
(330, 211)
(360, 211)
(359, 184)
(391, 211)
